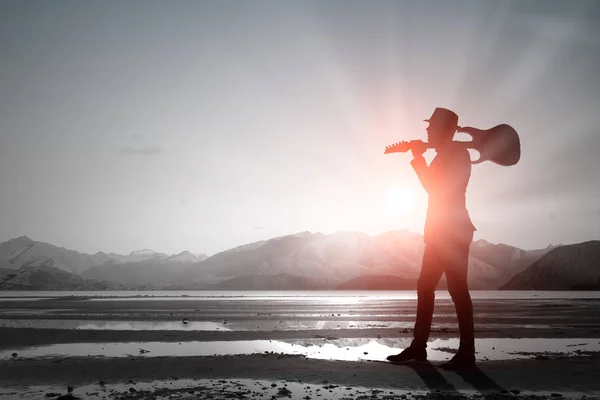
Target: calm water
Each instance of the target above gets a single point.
(393, 295)
(363, 349)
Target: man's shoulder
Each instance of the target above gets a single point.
(457, 151)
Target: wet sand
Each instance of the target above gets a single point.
(568, 368)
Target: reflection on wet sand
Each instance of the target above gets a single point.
(115, 325)
(340, 349)
(224, 326)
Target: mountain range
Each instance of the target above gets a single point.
(573, 267)
(303, 261)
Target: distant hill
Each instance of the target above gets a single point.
(184, 257)
(506, 260)
(327, 259)
(569, 267)
(490, 265)
(353, 260)
(24, 252)
(140, 267)
(50, 278)
(154, 272)
(257, 282)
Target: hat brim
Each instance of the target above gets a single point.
(429, 120)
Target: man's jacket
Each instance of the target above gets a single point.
(446, 180)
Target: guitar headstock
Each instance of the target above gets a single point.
(400, 147)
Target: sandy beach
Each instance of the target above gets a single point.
(291, 347)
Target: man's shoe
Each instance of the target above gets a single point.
(409, 354)
(460, 362)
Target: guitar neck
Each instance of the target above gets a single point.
(466, 145)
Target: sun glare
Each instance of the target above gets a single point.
(400, 201)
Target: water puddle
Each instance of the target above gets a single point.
(19, 312)
(22, 299)
(115, 325)
(336, 349)
(240, 325)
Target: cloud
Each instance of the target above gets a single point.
(558, 27)
(259, 228)
(144, 151)
(136, 136)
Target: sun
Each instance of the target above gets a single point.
(400, 201)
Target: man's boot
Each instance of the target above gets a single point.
(411, 353)
(462, 361)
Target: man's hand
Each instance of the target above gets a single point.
(417, 147)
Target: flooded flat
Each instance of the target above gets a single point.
(80, 320)
(380, 313)
(210, 326)
(341, 349)
(341, 337)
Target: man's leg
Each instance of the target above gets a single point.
(456, 268)
(431, 272)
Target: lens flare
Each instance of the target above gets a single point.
(400, 201)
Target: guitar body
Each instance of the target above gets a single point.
(500, 144)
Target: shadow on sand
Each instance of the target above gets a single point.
(482, 382)
(438, 385)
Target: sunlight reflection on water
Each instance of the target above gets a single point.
(340, 349)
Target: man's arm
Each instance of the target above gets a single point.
(454, 171)
(420, 166)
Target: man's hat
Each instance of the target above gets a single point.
(444, 117)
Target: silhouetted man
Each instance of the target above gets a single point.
(448, 235)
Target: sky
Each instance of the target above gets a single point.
(204, 125)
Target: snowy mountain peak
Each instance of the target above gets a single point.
(246, 247)
(21, 240)
(302, 234)
(143, 252)
(137, 256)
(184, 257)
